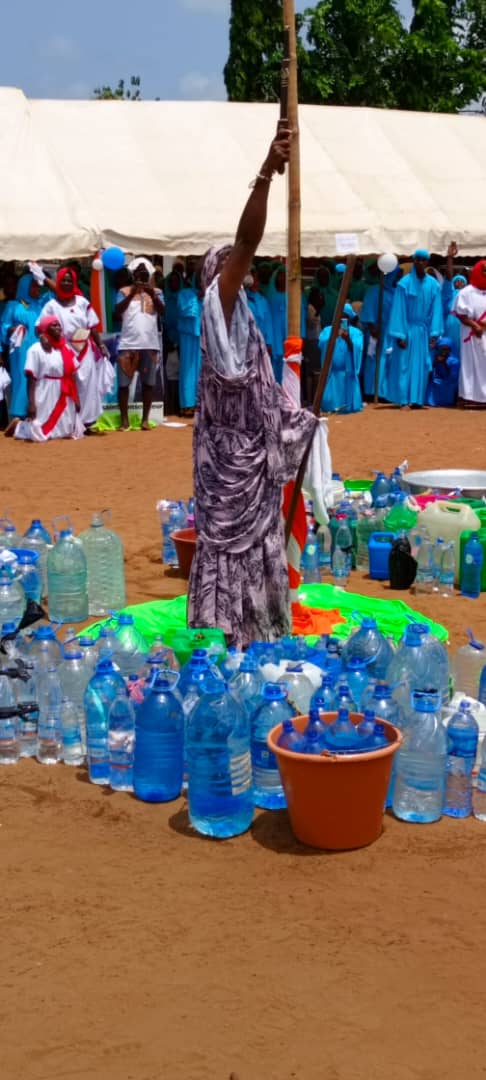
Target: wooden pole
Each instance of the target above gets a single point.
(294, 201)
(379, 342)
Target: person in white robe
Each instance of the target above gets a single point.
(470, 308)
(51, 367)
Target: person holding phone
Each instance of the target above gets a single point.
(343, 391)
(138, 306)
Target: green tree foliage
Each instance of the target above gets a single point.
(359, 52)
(122, 92)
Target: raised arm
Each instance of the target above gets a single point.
(251, 226)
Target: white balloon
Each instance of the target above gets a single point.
(387, 262)
(97, 264)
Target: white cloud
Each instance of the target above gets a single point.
(207, 7)
(59, 47)
(196, 86)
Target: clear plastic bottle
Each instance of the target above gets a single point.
(9, 537)
(172, 518)
(29, 574)
(75, 676)
(309, 562)
(315, 733)
(298, 687)
(437, 553)
(340, 568)
(101, 691)
(355, 675)
(462, 745)
(342, 734)
(424, 579)
(89, 651)
(159, 742)
(45, 650)
(421, 763)
(368, 643)
(9, 743)
(28, 711)
(267, 785)
(324, 698)
(380, 488)
(121, 743)
(247, 685)
(12, 597)
(72, 743)
(324, 544)
(219, 764)
(418, 666)
(344, 540)
(467, 666)
(131, 649)
(366, 525)
(106, 572)
(67, 580)
(479, 792)
(49, 733)
(447, 569)
(472, 563)
(37, 538)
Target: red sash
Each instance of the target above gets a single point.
(469, 336)
(68, 389)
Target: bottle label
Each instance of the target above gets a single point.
(262, 757)
(240, 773)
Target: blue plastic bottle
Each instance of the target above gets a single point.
(472, 563)
(334, 665)
(99, 696)
(324, 698)
(462, 745)
(367, 643)
(131, 649)
(314, 734)
(121, 742)
(274, 709)
(219, 764)
(12, 597)
(356, 676)
(29, 573)
(342, 735)
(414, 667)
(309, 562)
(380, 488)
(344, 698)
(479, 792)
(67, 580)
(37, 539)
(291, 739)
(482, 686)
(421, 763)
(9, 743)
(197, 662)
(159, 742)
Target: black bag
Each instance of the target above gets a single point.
(403, 566)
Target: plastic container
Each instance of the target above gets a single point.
(67, 580)
(462, 745)
(9, 743)
(12, 598)
(37, 538)
(184, 541)
(121, 743)
(159, 742)
(29, 573)
(45, 649)
(49, 741)
(105, 685)
(449, 519)
(219, 764)
(467, 666)
(420, 768)
(309, 560)
(336, 801)
(274, 708)
(465, 536)
(131, 649)
(106, 573)
(472, 563)
(379, 548)
(369, 644)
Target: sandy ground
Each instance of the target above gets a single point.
(134, 950)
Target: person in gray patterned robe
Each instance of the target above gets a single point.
(249, 440)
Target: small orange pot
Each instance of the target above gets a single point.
(336, 801)
(185, 545)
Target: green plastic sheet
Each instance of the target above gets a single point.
(111, 421)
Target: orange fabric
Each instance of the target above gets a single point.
(292, 347)
(307, 620)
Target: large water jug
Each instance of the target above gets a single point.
(448, 520)
(67, 580)
(467, 666)
(12, 597)
(246, 685)
(29, 574)
(130, 649)
(421, 762)
(437, 657)
(100, 693)
(159, 742)
(298, 686)
(355, 675)
(106, 573)
(9, 744)
(367, 643)
(411, 668)
(219, 764)
(37, 538)
(267, 785)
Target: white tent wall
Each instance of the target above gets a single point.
(173, 176)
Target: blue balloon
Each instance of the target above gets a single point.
(113, 258)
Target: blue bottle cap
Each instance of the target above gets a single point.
(248, 664)
(65, 532)
(382, 690)
(274, 692)
(368, 623)
(426, 701)
(44, 633)
(125, 620)
(73, 654)
(357, 663)
(199, 654)
(8, 628)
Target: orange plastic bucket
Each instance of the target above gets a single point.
(336, 801)
(185, 545)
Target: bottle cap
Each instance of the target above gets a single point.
(274, 692)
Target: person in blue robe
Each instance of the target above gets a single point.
(18, 327)
(452, 325)
(277, 299)
(443, 382)
(260, 308)
(189, 308)
(415, 324)
(343, 392)
(369, 321)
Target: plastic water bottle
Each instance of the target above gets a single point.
(12, 597)
(9, 537)
(291, 739)
(267, 785)
(28, 573)
(366, 525)
(356, 676)
(219, 764)
(479, 792)
(380, 488)
(342, 734)
(413, 667)
(462, 745)
(340, 568)
(309, 561)
(9, 744)
(130, 649)
(344, 541)
(298, 687)
(381, 703)
(314, 734)
(436, 659)
(159, 742)
(344, 698)
(437, 552)
(28, 712)
(45, 650)
(324, 698)
(49, 735)
(247, 685)
(106, 573)
(472, 564)
(89, 652)
(482, 686)
(368, 643)
(104, 686)
(72, 742)
(424, 579)
(172, 518)
(37, 538)
(421, 763)
(447, 569)
(121, 743)
(75, 675)
(67, 580)
(324, 544)
(467, 666)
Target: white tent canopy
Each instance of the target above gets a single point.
(173, 176)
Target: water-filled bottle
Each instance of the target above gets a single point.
(356, 676)
(28, 710)
(309, 561)
(159, 742)
(343, 541)
(447, 569)
(414, 667)
(12, 597)
(37, 538)
(121, 743)
(72, 740)
(9, 537)
(247, 684)
(45, 650)
(472, 564)
(89, 653)
(324, 698)
(106, 573)
(100, 693)
(437, 658)
(467, 666)
(299, 687)
(462, 745)
(315, 733)
(291, 739)
(342, 734)
(197, 662)
(130, 648)
(479, 792)
(380, 488)
(49, 731)
(367, 643)
(172, 518)
(421, 761)
(29, 574)
(219, 764)
(324, 544)
(75, 675)
(67, 580)
(267, 785)
(424, 578)
(9, 744)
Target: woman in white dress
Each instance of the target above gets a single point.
(470, 307)
(95, 375)
(53, 403)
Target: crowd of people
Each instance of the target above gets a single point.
(55, 367)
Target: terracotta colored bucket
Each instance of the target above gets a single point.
(336, 801)
(185, 545)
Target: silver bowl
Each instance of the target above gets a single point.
(470, 482)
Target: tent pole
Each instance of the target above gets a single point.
(294, 201)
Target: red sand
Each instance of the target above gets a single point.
(134, 950)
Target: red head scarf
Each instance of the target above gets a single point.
(74, 290)
(44, 326)
(477, 277)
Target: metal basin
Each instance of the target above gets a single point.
(470, 482)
